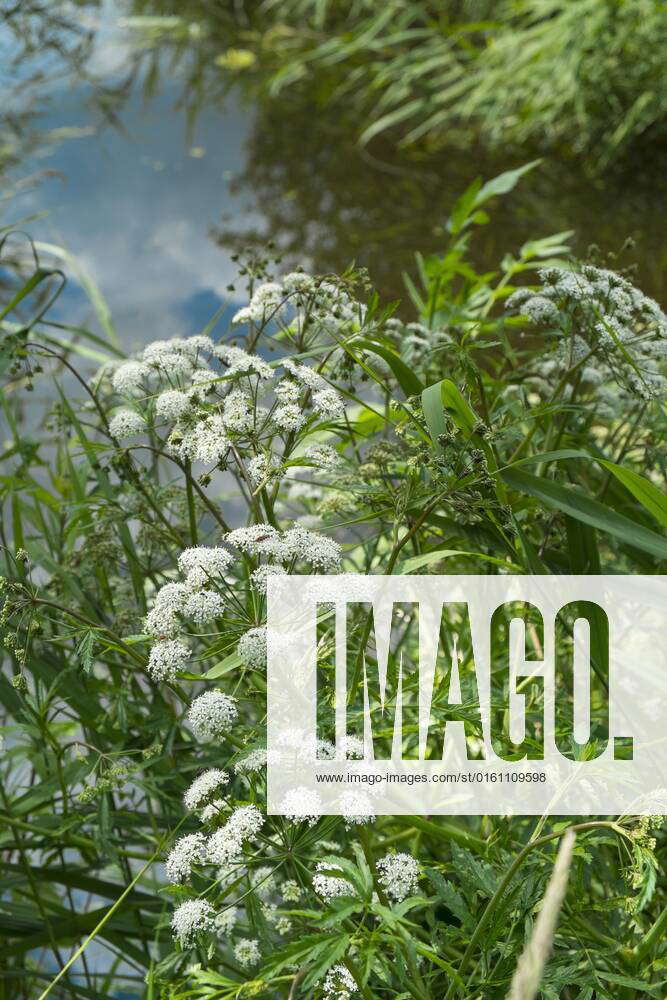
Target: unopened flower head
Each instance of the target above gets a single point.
(398, 874)
(212, 714)
(203, 788)
(191, 918)
(291, 891)
(186, 852)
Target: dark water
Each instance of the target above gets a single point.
(154, 212)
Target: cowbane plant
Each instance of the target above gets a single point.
(307, 438)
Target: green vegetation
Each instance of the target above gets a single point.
(494, 424)
(583, 78)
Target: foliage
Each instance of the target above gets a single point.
(320, 432)
(582, 77)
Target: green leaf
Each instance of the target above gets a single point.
(649, 496)
(503, 183)
(405, 376)
(84, 650)
(429, 558)
(583, 508)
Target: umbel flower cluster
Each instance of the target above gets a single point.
(605, 329)
(282, 439)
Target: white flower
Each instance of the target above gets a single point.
(240, 362)
(254, 761)
(185, 853)
(338, 984)
(212, 714)
(321, 552)
(284, 926)
(256, 539)
(260, 576)
(356, 807)
(172, 404)
(323, 456)
(297, 281)
(199, 564)
(202, 788)
(129, 376)
(328, 403)
(301, 805)
(207, 441)
(203, 606)
(330, 886)
(288, 391)
(162, 620)
(227, 842)
(291, 891)
(247, 952)
(257, 468)
(212, 811)
(225, 921)
(252, 648)
(237, 414)
(193, 917)
(307, 376)
(289, 417)
(398, 875)
(166, 658)
(126, 423)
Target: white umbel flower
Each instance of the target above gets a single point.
(247, 952)
(227, 842)
(330, 886)
(186, 852)
(204, 787)
(323, 456)
(289, 417)
(318, 550)
(254, 761)
(260, 576)
(226, 921)
(125, 424)
(255, 539)
(240, 362)
(212, 714)
(398, 874)
(338, 984)
(129, 376)
(301, 805)
(172, 404)
(328, 404)
(200, 564)
(162, 620)
(193, 917)
(203, 606)
(166, 658)
(305, 375)
(251, 648)
(237, 415)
